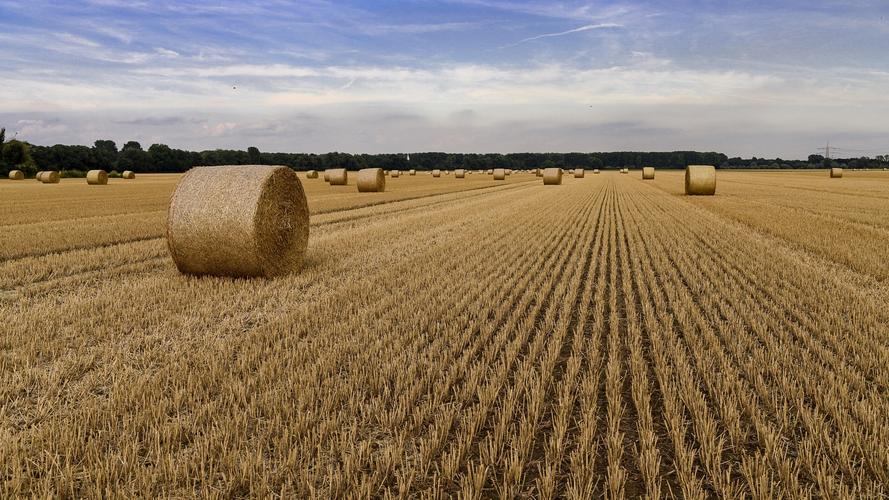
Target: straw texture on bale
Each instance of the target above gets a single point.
(411, 172)
(552, 176)
(395, 173)
(39, 176)
(371, 180)
(16, 175)
(700, 180)
(96, 177)
(239, 221)
(836, 173)
(128, 174)
(312, 174)
(338, 177)
(460, 173)
(436, 173)
(579, 173)
(499, 174)
(647, 173)
(50, 177)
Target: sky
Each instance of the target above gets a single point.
(747, 77)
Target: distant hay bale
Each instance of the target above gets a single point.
(552, 176)
(128, 174)
(625, 171)
(460, 173)
(96, 177)
(700, 180)
(239, 221)
(836, 173)
(371, 180)
(386, 173)
(436, 173)
(338, 176)
(447, 172)
(411, 172)
(395, 173)
(16, 175)
(312, 174)
(508, 171)
(579, 173)
(647, 173)
(327, 175)
(499, 174)
(595, 170)
(39, 176)
(50, 177)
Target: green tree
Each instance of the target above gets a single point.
(105, 153)
(253, 156)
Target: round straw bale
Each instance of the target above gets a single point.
(96, 177)
(338, 177)
(436, 173)
(395, 173)
(508, 171)
(371, 180)
(128, 174)
(836, 173)
(447, 172)
(16, 175)
(50, 177)
(552, 176)
(647, 173)
(700, 180)
(39, 176)
(499, 174)
(327, 175)
(460, 173)
(239, 221)
(312, 174)
(595, 170)
(411, 172)
(579, 173)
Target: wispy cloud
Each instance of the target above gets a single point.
(581, 29)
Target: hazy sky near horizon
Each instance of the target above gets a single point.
(747, 77)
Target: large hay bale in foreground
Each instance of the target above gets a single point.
(552, 176)
(411, 172)
(51, 177)
(96, 177)
(371, 180)
(436, 173)
(499, 174)
(128, 174)
(700, 180)
(460, 173)
(312, 174)
(647, 173)
(338, 176)
(579, 173)
(836, 173)
(16, 175)
(239, 221)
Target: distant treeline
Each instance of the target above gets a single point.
(105, 155)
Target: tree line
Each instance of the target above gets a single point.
(104, 154)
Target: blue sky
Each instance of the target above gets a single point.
(746, 77)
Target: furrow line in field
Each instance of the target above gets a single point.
(718, 314)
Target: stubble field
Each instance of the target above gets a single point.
(608, 336)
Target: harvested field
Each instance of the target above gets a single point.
(607, 336)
